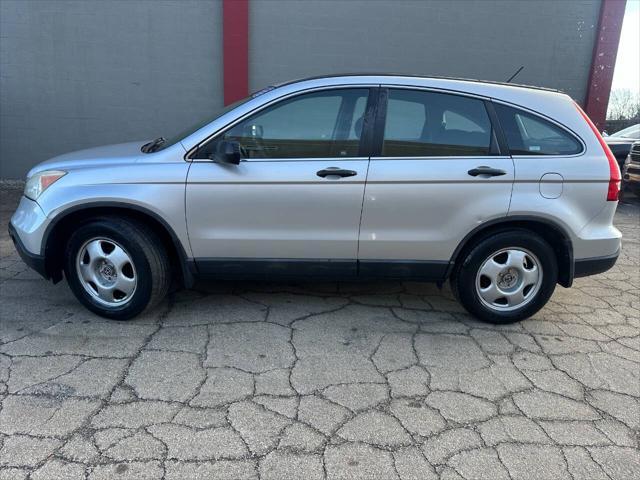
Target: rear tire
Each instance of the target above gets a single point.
(117, 268)
(506, 277)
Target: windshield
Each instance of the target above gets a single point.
(630, 132)
(172, 140)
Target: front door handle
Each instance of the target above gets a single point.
(488, 171)
(335, 171)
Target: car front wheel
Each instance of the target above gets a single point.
(117, 268)
(506, 277)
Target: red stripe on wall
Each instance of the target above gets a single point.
(235, 49)
(604, 60)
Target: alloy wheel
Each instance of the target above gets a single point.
(509, 279)
(106, 271)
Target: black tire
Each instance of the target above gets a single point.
(635, 189)
(463, 280)
(149, 257)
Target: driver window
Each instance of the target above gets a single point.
(313, 125)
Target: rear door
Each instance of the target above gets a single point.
(436, 173)
(293, 204)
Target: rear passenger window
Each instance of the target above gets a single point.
(429, 124)
(528, 134)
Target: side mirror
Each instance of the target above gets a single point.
(226, 151)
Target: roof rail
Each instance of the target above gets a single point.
(435, 77)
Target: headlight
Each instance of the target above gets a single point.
(39, 182)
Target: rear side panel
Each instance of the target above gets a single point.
(570, 191)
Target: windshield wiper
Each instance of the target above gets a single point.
(153, 145)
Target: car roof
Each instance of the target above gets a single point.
(632, 128)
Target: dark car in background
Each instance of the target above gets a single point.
(620, 142)
(631, 171)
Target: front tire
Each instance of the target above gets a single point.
(117, 268)
(506, 277)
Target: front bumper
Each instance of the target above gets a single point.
(26, 229)
(36, 262)
(30, 224)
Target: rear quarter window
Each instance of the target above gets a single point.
(528, 134)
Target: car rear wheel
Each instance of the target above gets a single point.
(506, 277)
(116, 268)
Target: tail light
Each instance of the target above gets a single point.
(614, 170)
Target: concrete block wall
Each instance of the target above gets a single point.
(486, 39)
(75, 74)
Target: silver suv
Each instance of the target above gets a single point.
(502, 190)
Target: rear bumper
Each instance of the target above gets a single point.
(36, 262)
(592, 266)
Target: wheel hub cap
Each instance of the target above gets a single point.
(108, 272)
(508, 278)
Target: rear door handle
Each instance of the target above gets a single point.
(335, 171)
(488, 171)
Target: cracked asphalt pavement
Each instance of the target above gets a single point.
(337, 381)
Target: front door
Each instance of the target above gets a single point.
(435, 174)
(294, 202)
